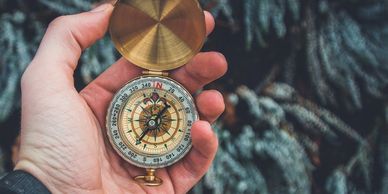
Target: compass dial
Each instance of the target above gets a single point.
(149, 122)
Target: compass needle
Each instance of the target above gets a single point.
(155, 135)
(148, 112)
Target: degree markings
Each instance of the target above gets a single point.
(177, 125)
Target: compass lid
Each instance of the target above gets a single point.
(158, 34)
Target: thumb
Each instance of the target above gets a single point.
(62, 45)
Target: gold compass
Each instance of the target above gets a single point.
(149, 120)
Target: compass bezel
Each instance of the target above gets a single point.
(129, 154)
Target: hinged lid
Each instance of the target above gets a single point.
(158, 34)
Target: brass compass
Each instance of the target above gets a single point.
(149, 120)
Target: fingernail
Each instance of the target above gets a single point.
(102, 7)
(204, 124)
(221, 55)
(219, 94)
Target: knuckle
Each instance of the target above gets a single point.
(216, 67)
(100, 32)
(59, 22)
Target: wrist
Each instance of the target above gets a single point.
(53, 179)
(45, 176)
(35, 171)
(20, 182)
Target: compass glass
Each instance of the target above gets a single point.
(150, 120)
(140, 119)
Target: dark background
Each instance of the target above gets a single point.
(313, 114)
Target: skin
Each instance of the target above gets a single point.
(63, 141)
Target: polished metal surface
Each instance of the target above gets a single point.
(158, 34)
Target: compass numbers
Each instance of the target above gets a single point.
(149, 122)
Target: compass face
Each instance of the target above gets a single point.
(149, 122)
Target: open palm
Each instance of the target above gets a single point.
(63, 140)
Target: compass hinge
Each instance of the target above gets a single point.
(157, 73)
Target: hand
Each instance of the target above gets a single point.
(63, 138)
